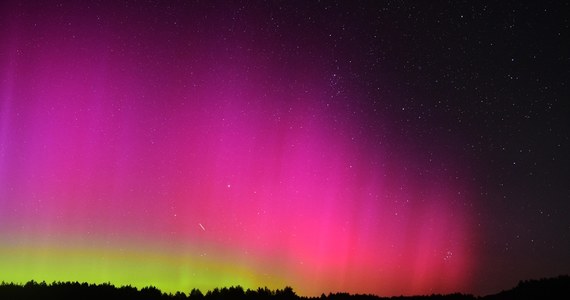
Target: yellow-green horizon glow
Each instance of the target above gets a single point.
(168, 269)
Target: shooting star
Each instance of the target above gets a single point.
(202, 226)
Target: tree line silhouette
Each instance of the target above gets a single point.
(548, 288)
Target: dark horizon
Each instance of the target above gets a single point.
(550, 288)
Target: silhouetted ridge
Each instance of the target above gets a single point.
(546, 288)
(550, 288)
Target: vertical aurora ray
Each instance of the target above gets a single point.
(197, 166)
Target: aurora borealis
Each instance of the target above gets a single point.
(207, 144)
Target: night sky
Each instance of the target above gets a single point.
(377, 147)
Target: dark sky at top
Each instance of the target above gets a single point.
(487, 82)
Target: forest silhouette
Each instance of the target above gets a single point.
(548, 288)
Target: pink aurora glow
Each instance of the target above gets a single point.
(99, 138)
